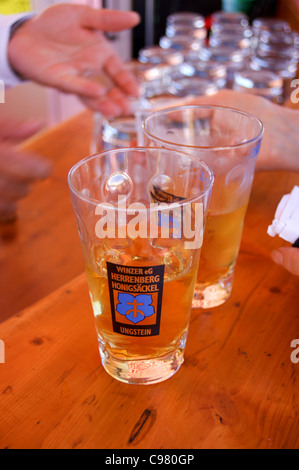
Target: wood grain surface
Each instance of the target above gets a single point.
(41, 251)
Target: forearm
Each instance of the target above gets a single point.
(280, 145)
(285, 146)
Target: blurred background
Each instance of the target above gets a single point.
(31, 100)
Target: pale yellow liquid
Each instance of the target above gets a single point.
(221, 245)
(179, 281)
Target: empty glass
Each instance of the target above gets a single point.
(157, 55)
(185, 43)
(192, 86)
(284, 67)
(270, 24)
(230, 35)
(263, 83)
(232, 58)
(174, 30)
(126, 131)
(224, 17)
(191, 19)
(194, 67)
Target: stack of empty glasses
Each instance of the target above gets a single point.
(190, 61)
(275, 49)
(185, 32)
(233, 54)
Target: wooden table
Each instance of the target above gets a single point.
(238, 387)
(41, 251)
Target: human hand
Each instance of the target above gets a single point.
(279, 150)
(287, 257)
(59, 47)
(18, 169)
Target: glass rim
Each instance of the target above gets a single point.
(198, 147)
(182, 202)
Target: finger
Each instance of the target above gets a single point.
(109, 20)
(95, 86)
(16, 129)
(8, 211)
(70, 80)
(118, 98)
(288, 258)
(22, 166)
(113, 104)
(104, 106)
(12, 190)
(115, 68)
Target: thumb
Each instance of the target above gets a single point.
(15, 129)
(109, 20)
(288, 258)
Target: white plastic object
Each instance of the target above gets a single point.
(286, 219)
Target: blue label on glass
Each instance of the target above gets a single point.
(135, 298)
(256, 149)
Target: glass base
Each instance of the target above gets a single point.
(142, 371)
(212, 295)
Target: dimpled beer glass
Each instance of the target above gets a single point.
(140, 214)
(228, 141)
